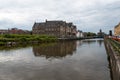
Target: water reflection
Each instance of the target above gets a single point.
(100, 42)
(62, 49)
(89, 41)
(87, 61)
(57, 50)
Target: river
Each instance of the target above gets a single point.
(67, 60)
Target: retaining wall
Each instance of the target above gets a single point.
(114, 60)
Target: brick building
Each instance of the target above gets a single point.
(3, 31)
(18, 31)
(117, 30)
(60, 29)
(14, 31)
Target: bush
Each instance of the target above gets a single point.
(23, 39)
(7, 36)
(2, 43)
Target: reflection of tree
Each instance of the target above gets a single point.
(89, 41)
(60, 49)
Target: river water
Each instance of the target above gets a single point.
(69, 60)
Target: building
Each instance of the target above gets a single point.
(117, 30)
(79, 34)
(110, 33)
(14, 31)
(3, 31)
(100, 34)
(59, 29)
(18, 31)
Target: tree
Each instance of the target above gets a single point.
(90, 34)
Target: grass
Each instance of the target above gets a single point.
(25, 38)
(115, 44)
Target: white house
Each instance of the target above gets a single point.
(79, 34)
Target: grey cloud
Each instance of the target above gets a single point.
(87, 15)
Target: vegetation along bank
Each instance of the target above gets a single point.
(14, 39)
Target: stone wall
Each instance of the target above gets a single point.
(114, 60)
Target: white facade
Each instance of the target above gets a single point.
(79, 34)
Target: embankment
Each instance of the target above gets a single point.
(114, 58)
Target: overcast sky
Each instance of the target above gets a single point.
(87, 15)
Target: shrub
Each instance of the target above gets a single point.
(23, 39)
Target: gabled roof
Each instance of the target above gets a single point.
(38, 24)
(55, 22)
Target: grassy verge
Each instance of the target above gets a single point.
(115, 44)
(4, 39)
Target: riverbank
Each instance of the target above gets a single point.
(18, 39)
(112, 48)
(14, 39)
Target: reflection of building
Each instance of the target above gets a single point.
(117, 30)
(79, 43)
(100, 42)
(60, 49)
(89, 41)
(60, 29)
